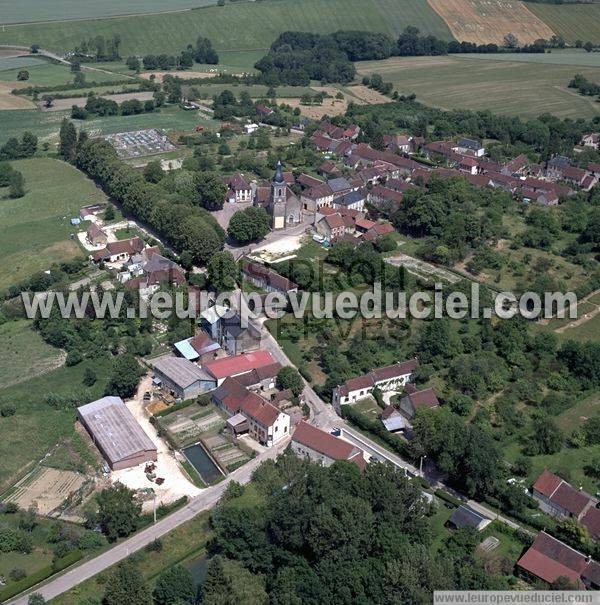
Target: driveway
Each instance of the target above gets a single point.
(176, 483)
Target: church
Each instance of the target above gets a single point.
(284, 207)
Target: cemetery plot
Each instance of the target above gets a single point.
(140, 143)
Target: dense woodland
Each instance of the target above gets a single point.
(318, 535)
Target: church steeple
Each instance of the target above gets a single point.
(279, 174)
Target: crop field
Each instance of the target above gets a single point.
(571, 21)
(19, 62)
(503, 87)
(24, 354)
(36, 228)
(22, 11)
(484, 21)
(256, 24)
(577, 58)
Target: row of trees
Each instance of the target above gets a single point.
(201, 52)
(15, 149)
(180, 216)
(101, 106)
(99, 48)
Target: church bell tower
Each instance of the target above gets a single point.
(278, 198)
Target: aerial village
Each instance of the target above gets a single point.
(223, 397)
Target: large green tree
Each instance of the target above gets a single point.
(210, 190)
(223, 272)
(126, 586)
(289, 378)
(249, 225)
(118, 511)
(175, 585)
(125, 375)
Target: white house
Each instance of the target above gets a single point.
(390, 378)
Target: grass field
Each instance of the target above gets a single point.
(503, 87)
(36, 427)
(45, 73)
(24, 354)
(483, 21)
(237, 26)
(571, 21)
(19, 11)
(36, 228)
(46, 124)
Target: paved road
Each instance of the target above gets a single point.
(206, 500)
(322, 415)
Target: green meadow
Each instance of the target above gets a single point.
(36, 228)
(256, 24)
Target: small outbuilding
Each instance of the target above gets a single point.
(116, 433)
(464, 516)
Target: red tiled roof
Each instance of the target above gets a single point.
(231, 393)
(246, 362)
(424, 399)
(591, 520)
(335, 221)
(306, 180)
(363, 223)
(202, 343)
(567, 497)
(94, 230)
(385, 193)
(396, 370)
(550, 559)
(382, 228)
(259, 410)
(269, 277)
(324, 443)
(319, 191)
(238, 182)
(547, 483)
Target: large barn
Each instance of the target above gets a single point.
(116, 433)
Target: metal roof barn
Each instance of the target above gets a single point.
(116, 433)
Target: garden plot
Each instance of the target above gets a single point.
(422, 269)
(140, 143)
(228, 455)
(47, 489)
(190, 424)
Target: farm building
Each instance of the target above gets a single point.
(116, 433)
(319, 446)
(184, 379)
